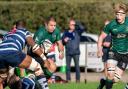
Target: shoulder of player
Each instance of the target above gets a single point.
(126, 20)
(22, 30)
(57, 30)
(112, 23)
(40, 30)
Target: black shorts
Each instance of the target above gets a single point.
(122, 59)
(105, 55)
(11, 58)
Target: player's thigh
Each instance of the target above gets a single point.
(111, 64)
(121, 66)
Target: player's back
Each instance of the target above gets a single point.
(15, 41)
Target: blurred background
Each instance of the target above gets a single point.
(91, 13)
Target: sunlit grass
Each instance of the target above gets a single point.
(88, 85)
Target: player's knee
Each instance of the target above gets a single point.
(35, 66)
(111, 71)
(117, 77)
(52, 66)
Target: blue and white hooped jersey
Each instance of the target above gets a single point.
(15, 41)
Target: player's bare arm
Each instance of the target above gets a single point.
(100, 43)
(38, 50)
(61, 49)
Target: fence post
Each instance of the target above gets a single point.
(86, 57)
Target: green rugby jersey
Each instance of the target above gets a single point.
(43, 34)
(119, 34)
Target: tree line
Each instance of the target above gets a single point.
(91, 14)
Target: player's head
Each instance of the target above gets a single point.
(16, 83)
(50, 24)
(120, 12)
(20, 24)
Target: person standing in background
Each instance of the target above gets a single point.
(71, 40)
(106, 47)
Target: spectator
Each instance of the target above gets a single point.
(71, 40)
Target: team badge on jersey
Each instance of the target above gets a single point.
(54, 35)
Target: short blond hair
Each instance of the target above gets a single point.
(120, 6)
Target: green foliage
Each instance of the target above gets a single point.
(91, 13)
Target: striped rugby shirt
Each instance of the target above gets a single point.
(16, 41)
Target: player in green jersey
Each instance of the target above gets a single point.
(48, 36)
(118, 56)
(50, 33)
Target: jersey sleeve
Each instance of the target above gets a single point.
(38, 36)
(28, 34)
(107, 29)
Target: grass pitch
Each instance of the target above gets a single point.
(88, 85)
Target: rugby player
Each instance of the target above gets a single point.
(12, 55)
(118, 56)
